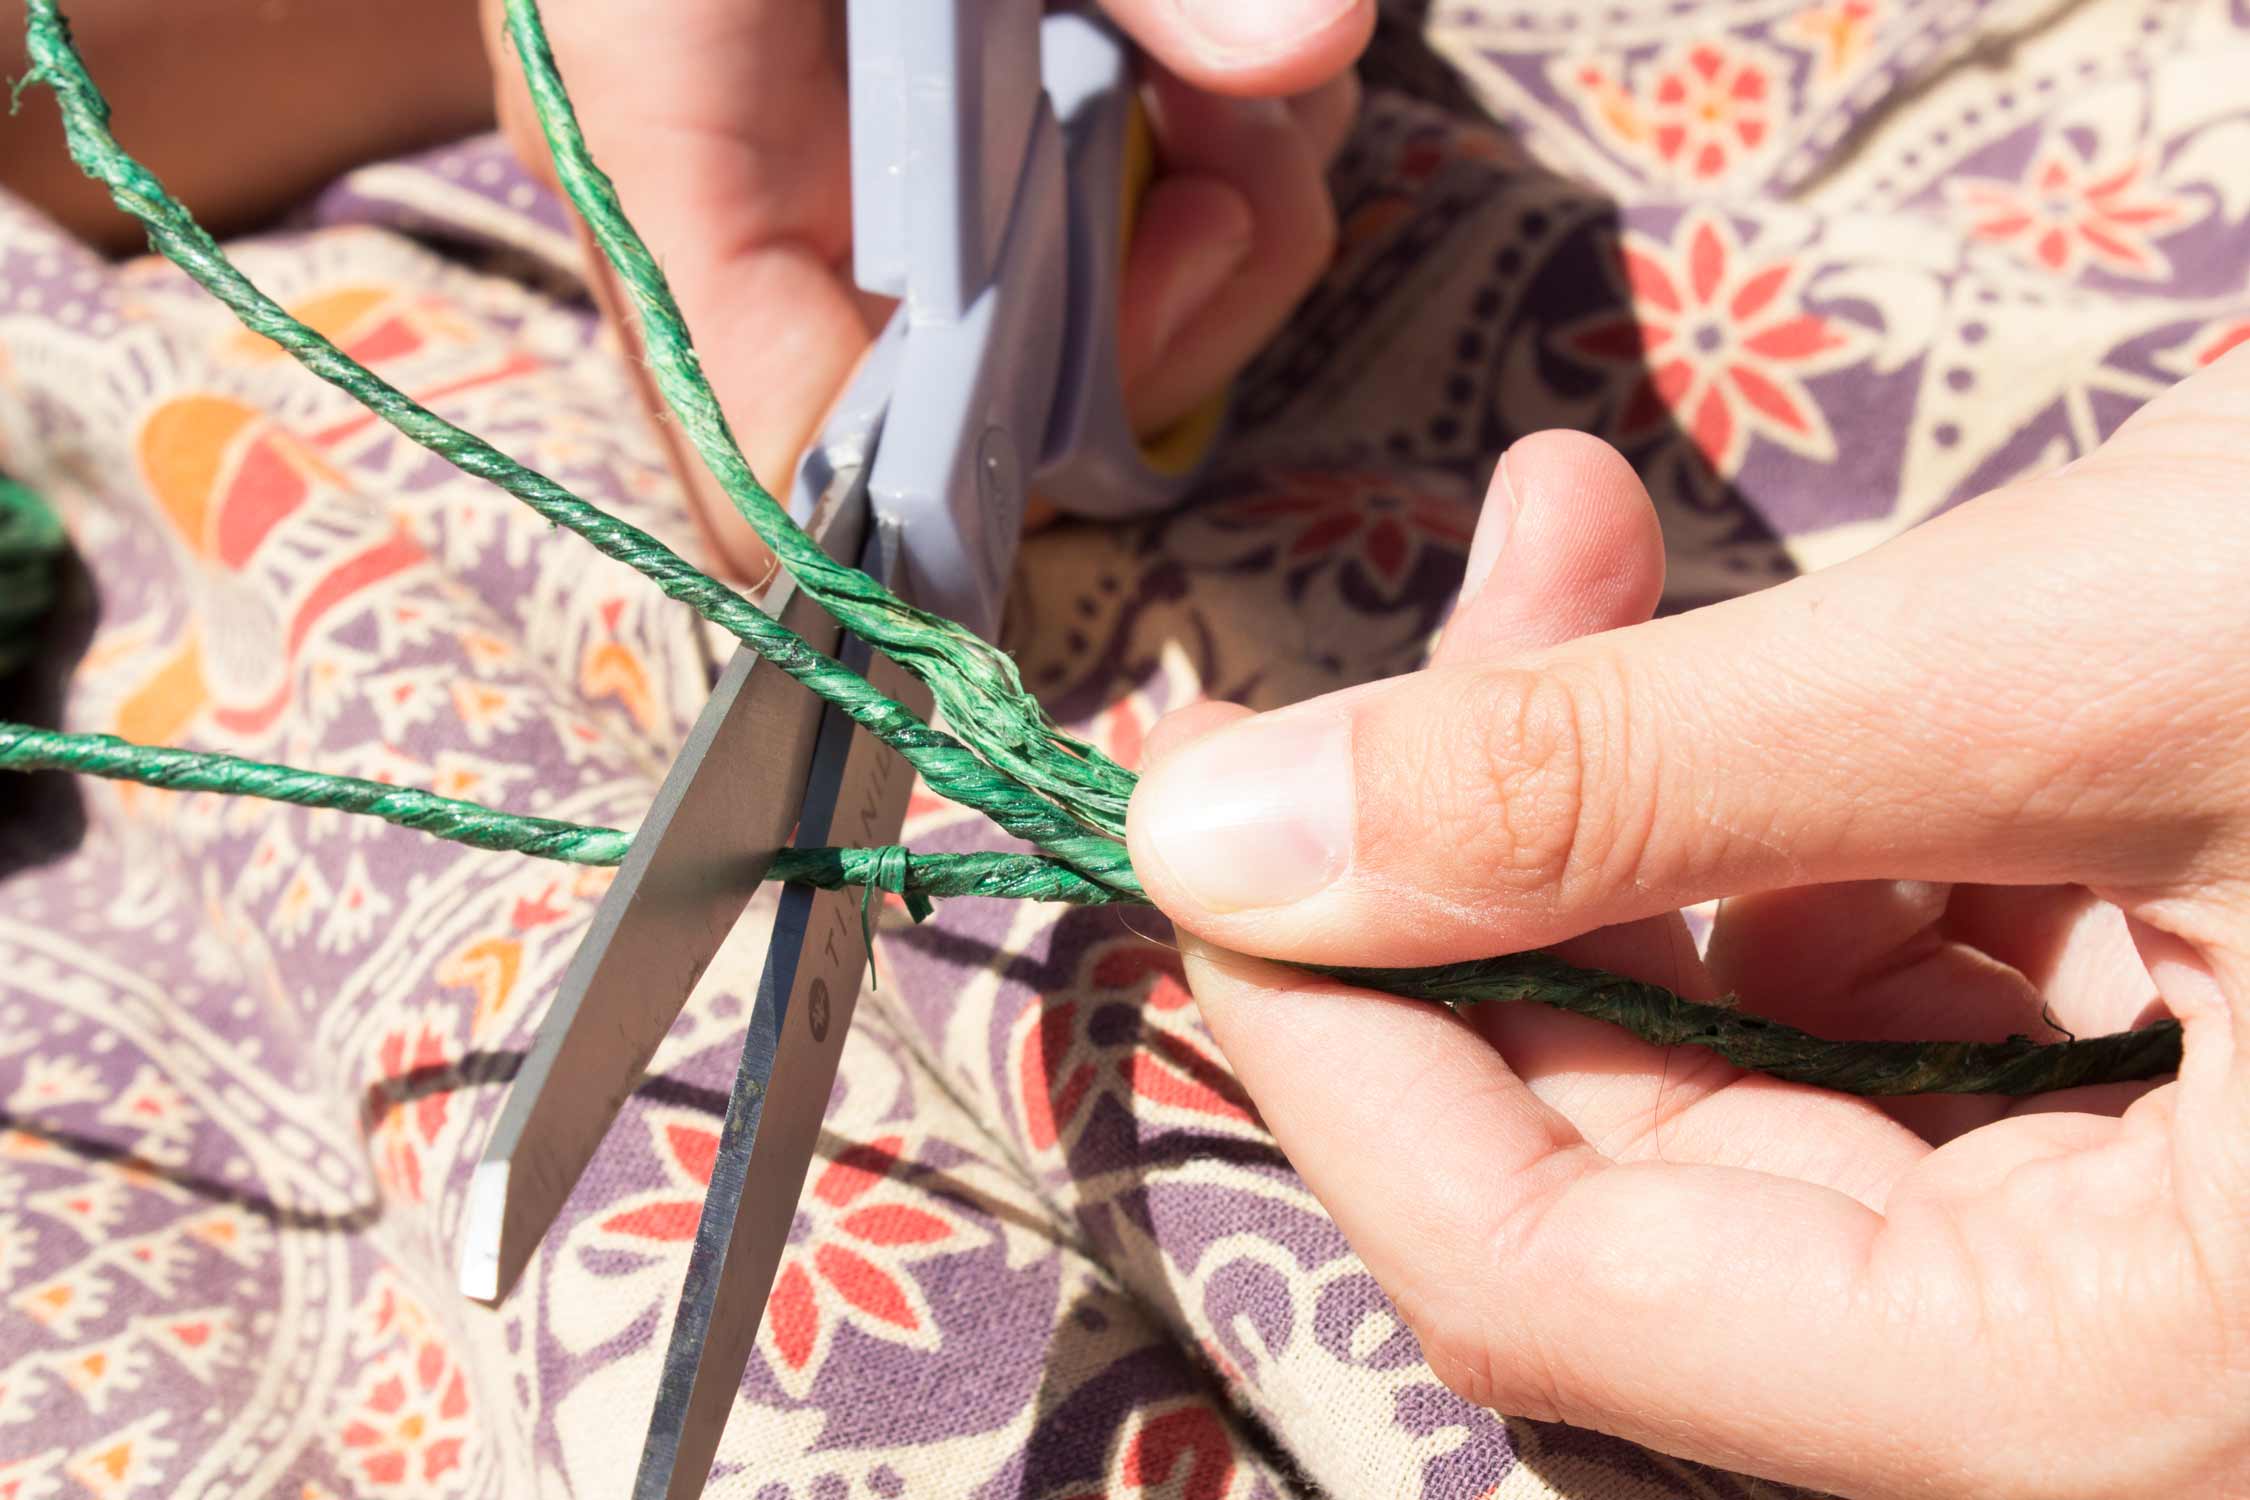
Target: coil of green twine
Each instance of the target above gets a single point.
(1010, 761)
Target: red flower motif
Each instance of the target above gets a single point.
(1366, 511)
(860, 1230)
(2062, 217)
(1698, 111)
(1719, 343)
(412, 1426)
(405, 1121)
(1182, 1451)
(1061, 1070)
(1708, 107)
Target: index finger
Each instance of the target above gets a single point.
(1250, 47)
(1716, 1312)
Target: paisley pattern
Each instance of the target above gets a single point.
(1820, 267)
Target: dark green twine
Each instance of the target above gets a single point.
(23, 748)
(31, 547)
(1009, 761)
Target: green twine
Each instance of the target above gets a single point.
(1661, 1018)
(1654, 1014)
(949, 767)
(917, 878)
(971, 681)
(31, 547)
(1032, 779)
(921, 878)
(23, 748)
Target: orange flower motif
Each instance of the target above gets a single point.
(2063, 217)
(1839, 33)
(1716, 340)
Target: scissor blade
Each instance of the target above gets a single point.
(725, 808)
(804, 1006)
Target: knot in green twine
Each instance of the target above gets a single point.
(32, 543)
(886, 871)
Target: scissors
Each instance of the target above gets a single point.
(997, 152)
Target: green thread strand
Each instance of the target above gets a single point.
(950, 768)
(972, 681)
(23, 748)
(1030, 759)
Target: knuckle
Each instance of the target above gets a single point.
(1541, 745)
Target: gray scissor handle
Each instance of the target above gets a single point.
(993, 207)
(1095, 465)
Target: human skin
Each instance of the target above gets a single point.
(243, 109)
(1998, 764)
(723, 122)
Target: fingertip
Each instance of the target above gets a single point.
(1185, 725)
(1568, 545)
(1168, 795)
(1251, 47)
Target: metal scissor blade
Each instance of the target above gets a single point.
(725, 808)
(803, 1011)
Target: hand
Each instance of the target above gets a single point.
(723, 123)
(2046, 691)
(244, 110)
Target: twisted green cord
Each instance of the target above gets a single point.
(1007, 877)
(1659, 1017)
(981, 683)
(972, 682)
(24, 748)
(1655, 1015)
(919, 878)
(946, 764)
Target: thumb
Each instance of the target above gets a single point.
(1973, 702)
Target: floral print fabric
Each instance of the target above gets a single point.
(1820, 267)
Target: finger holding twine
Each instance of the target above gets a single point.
(1010, 762)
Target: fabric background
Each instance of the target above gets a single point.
(1821, 269)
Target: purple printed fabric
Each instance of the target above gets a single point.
(1820, 267)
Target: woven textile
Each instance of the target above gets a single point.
(1821, 269)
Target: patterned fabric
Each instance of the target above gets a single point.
(1821, 267)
